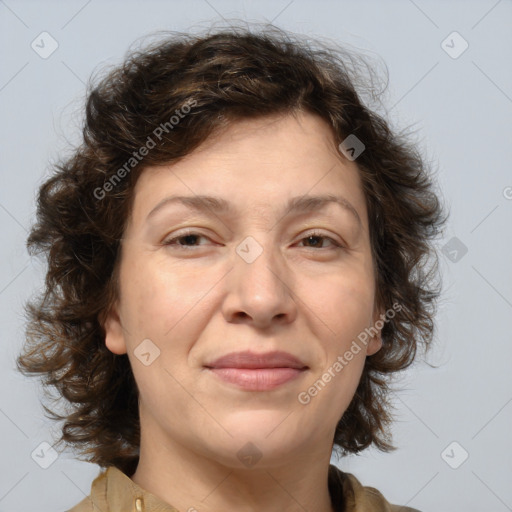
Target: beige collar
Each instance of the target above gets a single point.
(113, 491)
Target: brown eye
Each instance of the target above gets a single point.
(315, 240)
(185, 240)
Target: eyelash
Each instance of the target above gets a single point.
(172, 242)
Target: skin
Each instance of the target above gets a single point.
(198, 299)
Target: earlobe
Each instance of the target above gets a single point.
(114, 333)
(375, 343)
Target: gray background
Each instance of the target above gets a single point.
(462, 110)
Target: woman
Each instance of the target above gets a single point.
(236, 265)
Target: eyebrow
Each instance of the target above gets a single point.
(299, 204)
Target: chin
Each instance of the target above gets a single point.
(267, 435)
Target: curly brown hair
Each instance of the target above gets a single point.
(82, 210)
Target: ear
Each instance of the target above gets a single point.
(114, 332)
(375, 342)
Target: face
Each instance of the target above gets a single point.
(198, 282)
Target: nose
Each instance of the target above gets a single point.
(260, 292)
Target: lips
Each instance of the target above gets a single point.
(257, 372)
(253, 360)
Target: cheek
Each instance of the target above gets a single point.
(348, 312)
(169, 305)
(158, 296)
(342, 320)
(342, 306)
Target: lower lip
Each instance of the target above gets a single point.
(257, 379)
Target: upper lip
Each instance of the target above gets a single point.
(248, 359)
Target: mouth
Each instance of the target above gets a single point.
(257, 372)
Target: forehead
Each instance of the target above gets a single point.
(260, 165)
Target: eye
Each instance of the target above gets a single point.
(188, 238)
(315, 236)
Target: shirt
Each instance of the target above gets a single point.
(113, 491)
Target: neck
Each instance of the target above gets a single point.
(188, 480)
